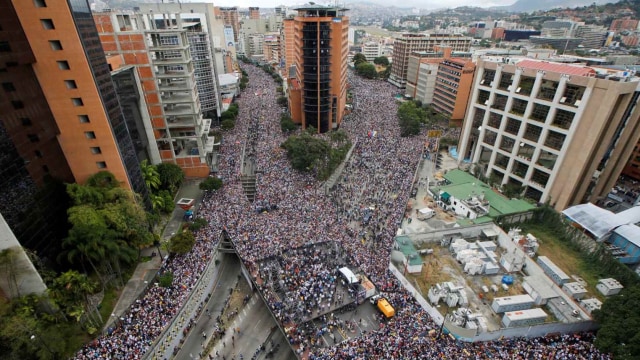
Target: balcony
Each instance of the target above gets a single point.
(176, 85)
(525, 86)
(572, 95)
(177, 97)
(539, 112)
(547, 90)
(525, 151)
(554, 140)
(180, 110)
(499, 102)
(518, 107)
(506, 80)
(182, 121)
(478, 118)
(513, 126)
(532, 133)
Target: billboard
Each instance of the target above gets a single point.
(228, 37)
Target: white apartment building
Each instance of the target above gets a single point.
(371, 50)
(562, 132)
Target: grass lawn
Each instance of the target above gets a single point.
(109, 301)
(568, 259)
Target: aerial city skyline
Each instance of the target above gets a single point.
(318, 181)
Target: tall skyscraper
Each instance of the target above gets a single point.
(317, 83)
(562, 132)
(254, 13)
(230, 17)
(61, 118)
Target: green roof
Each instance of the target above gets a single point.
(406, 247)
(464, 185)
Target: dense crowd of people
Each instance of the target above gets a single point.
(361, 215)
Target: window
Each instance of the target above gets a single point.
(101, 164)
(71, 84)
(90, 134)
(84, 119)
(17, 104)
(47, 24)
(77, 101)
(4, 46)
(38, 154)
(7, 86)
(26, 121)
(96, 150)
(56, 45)
(33, 137)
(39, 3)
(63, 65)
(11, 63)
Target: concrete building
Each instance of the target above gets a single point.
(608, 287)
(69, 66)
(407, 44)
(511, 303)
(229, 84)
(453, 86)
(271, 48)
(318, 93)
(229, 17)
(527, 317)
(560, 43)
(590, 305)
(624, 24)
(592, 36)
(287, 44)
(575, 290)
(632, 168)
(562, 132)
(254, 13)
(371, 50)
(553, 271)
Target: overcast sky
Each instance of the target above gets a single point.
(424, 4)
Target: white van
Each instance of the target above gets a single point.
(426, 213)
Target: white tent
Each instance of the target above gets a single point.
(348, 275)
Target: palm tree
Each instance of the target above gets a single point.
(150, 175)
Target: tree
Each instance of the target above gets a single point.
(366, 70)
(622, 341)
(182, 243)
(150, 175)
(410, 117)
(211, 184)
(198, 223)
(305, 151)
(228, 124)
(287, 124)
(381, 60)
(166, 279)
(359, 58)
(282, 101)
(171, 176)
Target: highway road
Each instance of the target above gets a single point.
(254, 321)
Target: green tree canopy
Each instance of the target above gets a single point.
(359, 58)
(211, 184)
(367, 70)
(410, 117)
(305, 151)
(282, 101)
(182, 243)
(287, 124)
(228, 124)
(150, 175)
(381, 60)
(619, 319)
(171, 176)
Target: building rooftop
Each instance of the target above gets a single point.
(599, 221)
(629, 232)
(405, 245)
(462, 185)
(557, 67)
(227, 79)
(542, 285)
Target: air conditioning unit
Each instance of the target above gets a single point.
(518, 90)
(509, 88)
(563, 99)
(577, 103)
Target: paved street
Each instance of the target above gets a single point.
(254, 320)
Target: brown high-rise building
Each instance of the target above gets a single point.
(68, 64)
(61, 117)
(287, 44)
(254, 13)
(230, 17)
(317, 91)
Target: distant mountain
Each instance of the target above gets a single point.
(529, 5)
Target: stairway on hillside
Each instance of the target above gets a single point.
(249, 186)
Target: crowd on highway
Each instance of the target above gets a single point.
(377, 177)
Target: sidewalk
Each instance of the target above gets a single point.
(146, 271)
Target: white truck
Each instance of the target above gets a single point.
(426, 213)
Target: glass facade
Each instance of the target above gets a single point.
(102, 75)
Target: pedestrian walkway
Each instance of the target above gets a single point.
(146, 271)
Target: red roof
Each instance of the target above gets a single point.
(557, 67)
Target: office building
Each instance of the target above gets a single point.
(563, 133)
(61, 119)
(230, 17)
(406, 44)
(254, 13)
(592, 36)
(632, 169)
(288, 44)
(624, 24)
(71, 69)
(318, 90)
(440, 79)
(371, 50)
(271, 48)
